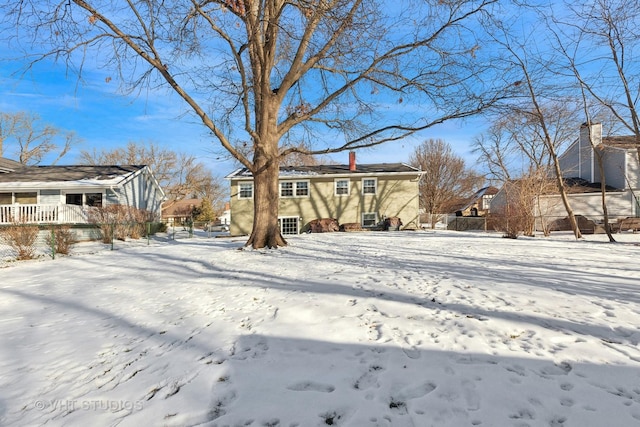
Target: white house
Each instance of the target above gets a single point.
(582, 177)
(62, 194)
(579, 164)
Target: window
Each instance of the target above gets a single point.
(27, 198)
(486, 202)
(6, 198)
(286, 189)
(369, 186)
(369, 219)
(94, 199)
(342, 187)
(246, 190)
(289, 225)
(74, 199)
(302, 189)
(294, 188)
(113, 195)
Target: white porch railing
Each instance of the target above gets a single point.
(42, 214)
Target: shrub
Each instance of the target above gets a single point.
(511, 226)
(63, 238)
(138, 219)
(120, 222)
(22, 239)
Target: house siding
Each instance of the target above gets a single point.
(614, 163)
(140, 193)
(569, 161)
(619, 205)
(633, 170)
(396, 195)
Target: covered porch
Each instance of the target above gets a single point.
(42, 214)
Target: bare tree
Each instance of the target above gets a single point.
(25, 136)
(334, 71)
(600, 39)
(514, 148)
(180, 175)
(445, 177)
(515, 144)
(540, 89)
(300, 157)
(597, 43)
(520, 206)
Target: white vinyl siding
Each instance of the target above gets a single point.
(50, 197)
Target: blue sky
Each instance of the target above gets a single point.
(105, 119)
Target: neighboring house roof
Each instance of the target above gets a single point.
(180, 207)
(579, 185)
(486, 191)
(573, 185)
(465, 203)
(8, 165)
(82, 176)
(336, 170)
(626, 142)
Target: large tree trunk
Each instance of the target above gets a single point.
(266, 232)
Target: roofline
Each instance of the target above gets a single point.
(232, 176)
(36, 185)
(82, 184)
(130, 176)
(615, 147)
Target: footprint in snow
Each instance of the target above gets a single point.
(406, 344)
(525, 414)
(566, 402)
(562, 368)
(249, 347)
(218, 407)
(368, 379)
(566, 386)
(311, 386)
(335, 418)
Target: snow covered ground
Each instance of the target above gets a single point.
(344, 329)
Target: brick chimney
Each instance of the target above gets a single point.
(352, 161)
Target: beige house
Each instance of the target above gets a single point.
(366, 194)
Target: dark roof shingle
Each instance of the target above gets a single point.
(68, 173)
(8, 165)
(372, 168)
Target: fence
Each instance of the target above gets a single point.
(43, 214)
(469, 223)
(26, 241)
(548, 223)
(589, 225)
